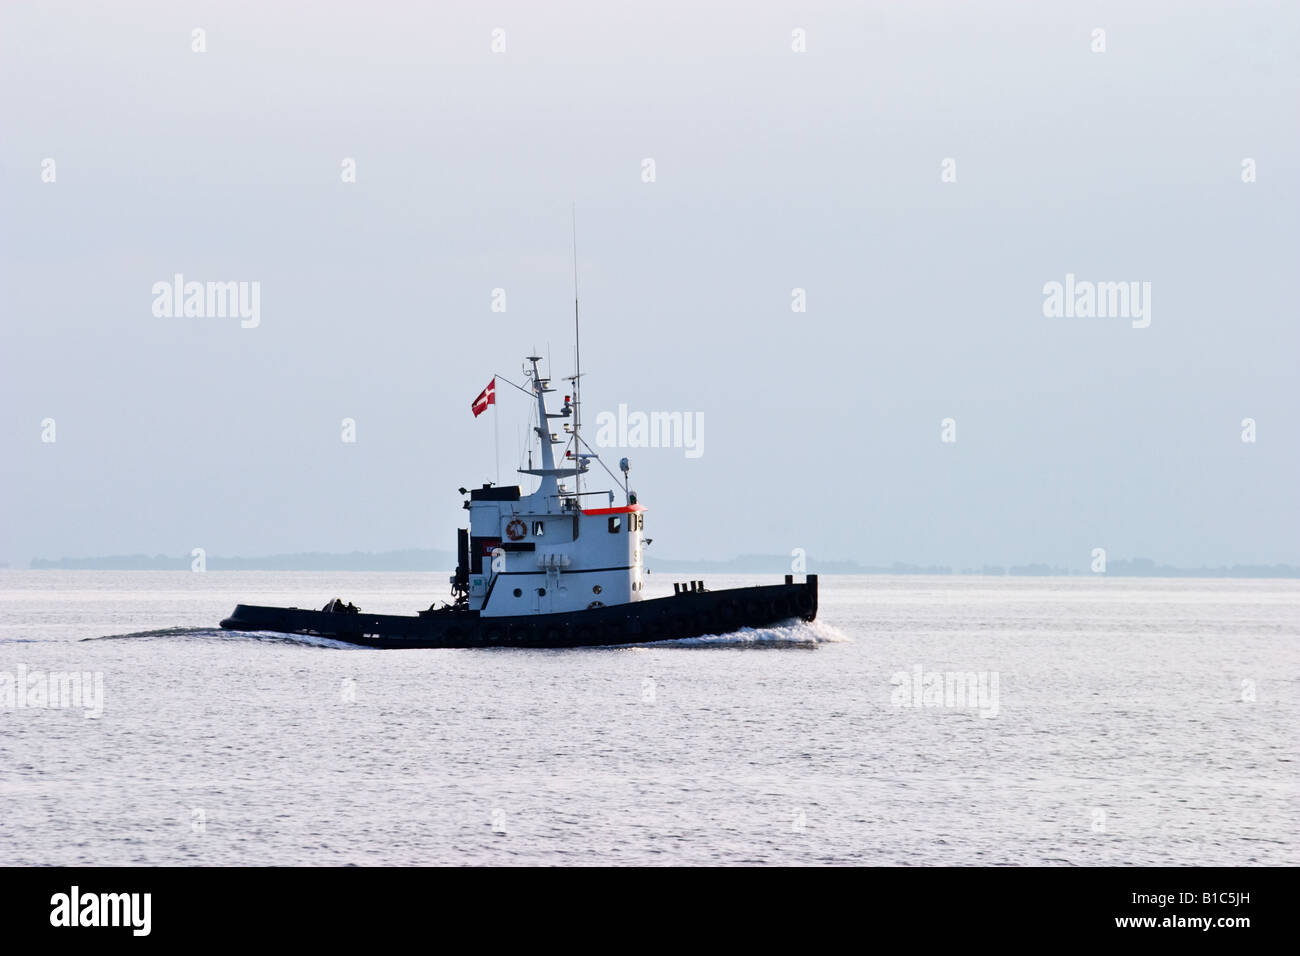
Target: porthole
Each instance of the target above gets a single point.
(518, 593)
(596, 589)
(541, 592)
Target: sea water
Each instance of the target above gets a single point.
(919, 720)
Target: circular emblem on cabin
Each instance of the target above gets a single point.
(516, 530)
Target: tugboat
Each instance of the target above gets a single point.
(542, 570)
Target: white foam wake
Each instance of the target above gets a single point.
(794, 632)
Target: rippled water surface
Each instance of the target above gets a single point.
(1135, 721)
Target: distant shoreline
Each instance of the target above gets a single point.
(434, 560)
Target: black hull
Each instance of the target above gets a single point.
(689, 614)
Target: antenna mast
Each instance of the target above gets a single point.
(577, 370)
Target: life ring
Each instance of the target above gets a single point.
(516, 530)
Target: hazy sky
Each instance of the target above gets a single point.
(774, 170)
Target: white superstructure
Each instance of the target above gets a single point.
(544, 553)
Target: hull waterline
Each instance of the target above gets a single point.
(688, 614)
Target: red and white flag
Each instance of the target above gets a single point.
(485, 398)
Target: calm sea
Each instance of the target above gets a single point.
(919, 720)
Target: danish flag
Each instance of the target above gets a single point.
(485, 398)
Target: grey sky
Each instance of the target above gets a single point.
(774, 170)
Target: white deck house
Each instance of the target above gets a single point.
(543, 553)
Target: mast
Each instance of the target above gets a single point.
(548, 472)
(549, 488)
(577, 363)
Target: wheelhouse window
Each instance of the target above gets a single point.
(615, 524)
